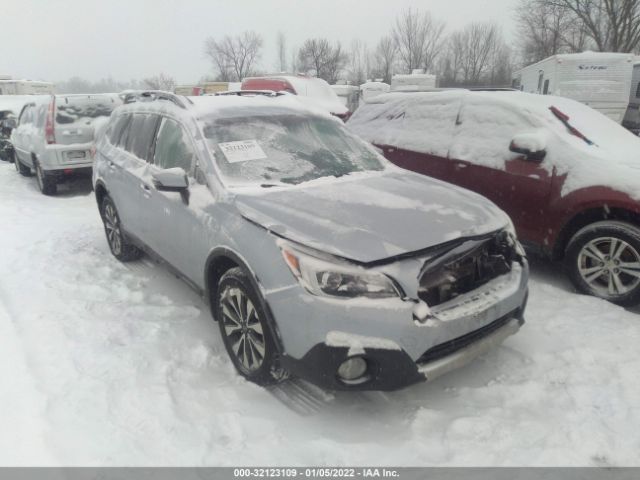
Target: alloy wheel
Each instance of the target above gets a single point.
(610, 266)
(243, 328)
(112, 226)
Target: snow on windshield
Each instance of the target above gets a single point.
(286, 149)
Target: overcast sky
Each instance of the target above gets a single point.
(126, 39)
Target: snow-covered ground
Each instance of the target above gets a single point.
(112, 364)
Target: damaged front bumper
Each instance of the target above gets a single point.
(457, 332)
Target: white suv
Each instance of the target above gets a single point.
(55, 136)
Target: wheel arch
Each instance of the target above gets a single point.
(586, 217)
(220, 261)
(100, 192)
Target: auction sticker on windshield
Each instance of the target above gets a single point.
(242, 151)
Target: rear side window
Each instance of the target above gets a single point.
(173, 148)
(116, 127)
(141, 132)
(82, 110)
(27, 115)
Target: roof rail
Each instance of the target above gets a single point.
(239, 93)
(152, 95)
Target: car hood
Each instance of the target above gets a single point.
(372, 217)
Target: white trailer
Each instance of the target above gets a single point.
(414, 82)
(632, 117)
(25, 87)
(599, 80)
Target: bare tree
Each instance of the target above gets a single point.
(476, 55)
(160, 82)
(548, 29)
(234, 58)
(322, 59)
(358, 64)
(613, 25)
(418, 37)
(281, 45)
(385, 58)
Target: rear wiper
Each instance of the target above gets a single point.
(564, 118)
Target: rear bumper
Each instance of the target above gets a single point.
(66, 157)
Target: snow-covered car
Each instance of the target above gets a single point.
(311, 90)
(10, 108)
(55, 136)
(317, 256)
(568, 176)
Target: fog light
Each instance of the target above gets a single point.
(352, 369)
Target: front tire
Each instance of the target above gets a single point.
(244, 329)
(603, 259)
(46, 183)
(118, 244)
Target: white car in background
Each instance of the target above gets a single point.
(55, 136)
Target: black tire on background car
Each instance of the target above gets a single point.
(47, 184)
(118, 244)
(20, 167)
(244, 329)
(603, 259)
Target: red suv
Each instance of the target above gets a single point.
(568, 176)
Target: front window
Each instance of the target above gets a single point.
(286, 149)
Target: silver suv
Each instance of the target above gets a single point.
(55, 136)
(318, 257)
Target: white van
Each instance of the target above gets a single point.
(600, 80)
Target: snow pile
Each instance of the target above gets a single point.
(120, 365)
(478, 127)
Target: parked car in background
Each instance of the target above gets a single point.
(568, 176)
(600, 80)
(312, 90)
(55, 136)
(318, 257)
(370, 90)
(349, 95)
(10, 108)
(417, 81)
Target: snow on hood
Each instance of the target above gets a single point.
(372, 217)
(612, 161)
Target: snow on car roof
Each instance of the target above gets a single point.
(612, 160)
(238, 105)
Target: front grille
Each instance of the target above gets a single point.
(466, 267)
(452, 346)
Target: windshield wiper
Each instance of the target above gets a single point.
(564, 118)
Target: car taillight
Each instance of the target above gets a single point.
(49, 127)
(92, 151)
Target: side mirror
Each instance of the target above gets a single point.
(532, 145)
(171, 180)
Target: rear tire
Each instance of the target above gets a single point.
(244, 329)
(20, 167)
(118, 244)
(47, 184)
(603, 259)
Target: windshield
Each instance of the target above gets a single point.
(286, 149)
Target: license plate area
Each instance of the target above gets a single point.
(77, 155)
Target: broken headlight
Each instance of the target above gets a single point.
(334, 278)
